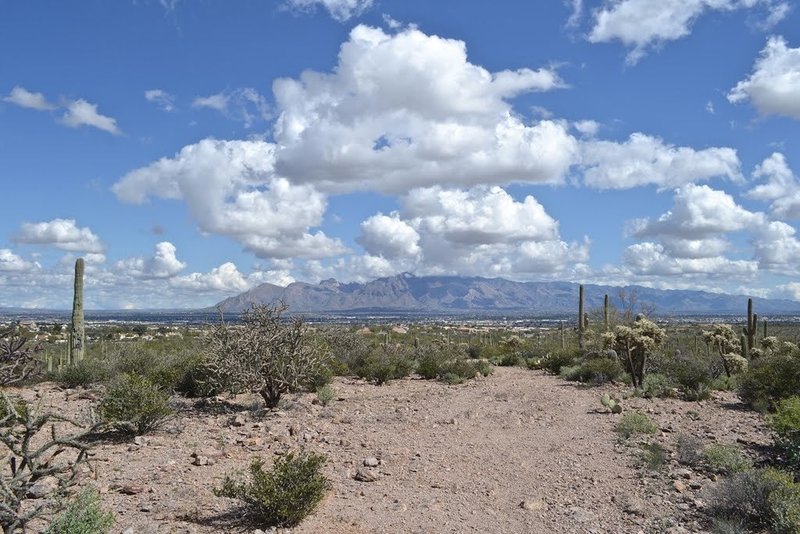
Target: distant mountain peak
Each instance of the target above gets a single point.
(452, 294)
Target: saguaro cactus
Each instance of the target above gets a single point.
(581, 318)
(605, 312)
(77, 335)
(752, 324)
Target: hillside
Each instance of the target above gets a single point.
(455, 294)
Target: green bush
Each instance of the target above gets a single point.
(284, 495)
(326, 394)
(381, 367)
(635, 423)
(83, 515)
(83, 374)
(769, 380)
(785, 423)
(510, 359)
(553, 361)
(759, 499)
(349, 350)
(134, 405)
(598, 371)
(656, 385)
(726, 459)
(654, 456)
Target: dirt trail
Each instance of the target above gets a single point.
(516, 452)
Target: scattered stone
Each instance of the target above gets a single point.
(43, 487)
(371, 462)
(365, 475)
(237, 420)
(679, 486)
(630, 504)
(695, 485)
(581, 515)
(684, 473)
(131, 489)
(532, 505)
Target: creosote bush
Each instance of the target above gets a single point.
(759, 499)
(83, 515)
(785, 423)
(635, 423)
(284, 495)
(134, 405)
(769, 380)
(727, 459)
(656, 385)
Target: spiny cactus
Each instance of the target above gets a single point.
(745, 348)
(612, 404)
(605, 312)
(752, 323)
(77, 334)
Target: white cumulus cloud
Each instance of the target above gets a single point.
(782, 187)
(60, 233)
(644, 24)
(409, 110)
(231, 189)
(82, 113)
(163, 263)
(388, 236)
(647, 160)
(27, 99)
(10, 262)
(774, 85)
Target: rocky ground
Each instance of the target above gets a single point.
(518, 451)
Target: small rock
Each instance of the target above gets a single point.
(131, 489)
(695, 485)
(365, 475)
(581, 515)
(43, 487)
(679, 486)
(237, 420)
(533, 505)
(684, 473)
(371, 462)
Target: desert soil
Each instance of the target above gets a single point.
(516, 452)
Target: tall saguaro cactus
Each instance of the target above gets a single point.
(752, 325)
(581, 318)
(605, 312)
(77, 335)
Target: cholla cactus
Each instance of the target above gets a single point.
(735, 363)
(634, 343)
(724, 338)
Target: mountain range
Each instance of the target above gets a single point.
(457, 294)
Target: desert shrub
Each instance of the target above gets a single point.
(82, 374)
(284, 495)
(595, 371)
(635, 423)
(510, 359)
(656, 385)
(635, 343)
(689, 450)
(83, 515)
(759, 498)
(326, 394)
(770, 379)
(348, 350)
(785, 423)
(736, 364)
(654, 456)
(726, 459)
(553, 361)
(35, 446)
(134, 405)
(726, 383)
(384, 365)
(264, 355)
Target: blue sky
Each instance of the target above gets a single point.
(192, 149)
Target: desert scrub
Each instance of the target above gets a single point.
(689, 450)
(785, 423)
(726, 459)
(593, 371)
(769, 380)
(654, 456)
(635, 423)
(284, 495)
(83, 515)
(656, 385)
(385, 364)
(553, 361)
(326, 394)
(759, 499)
(134, 405)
